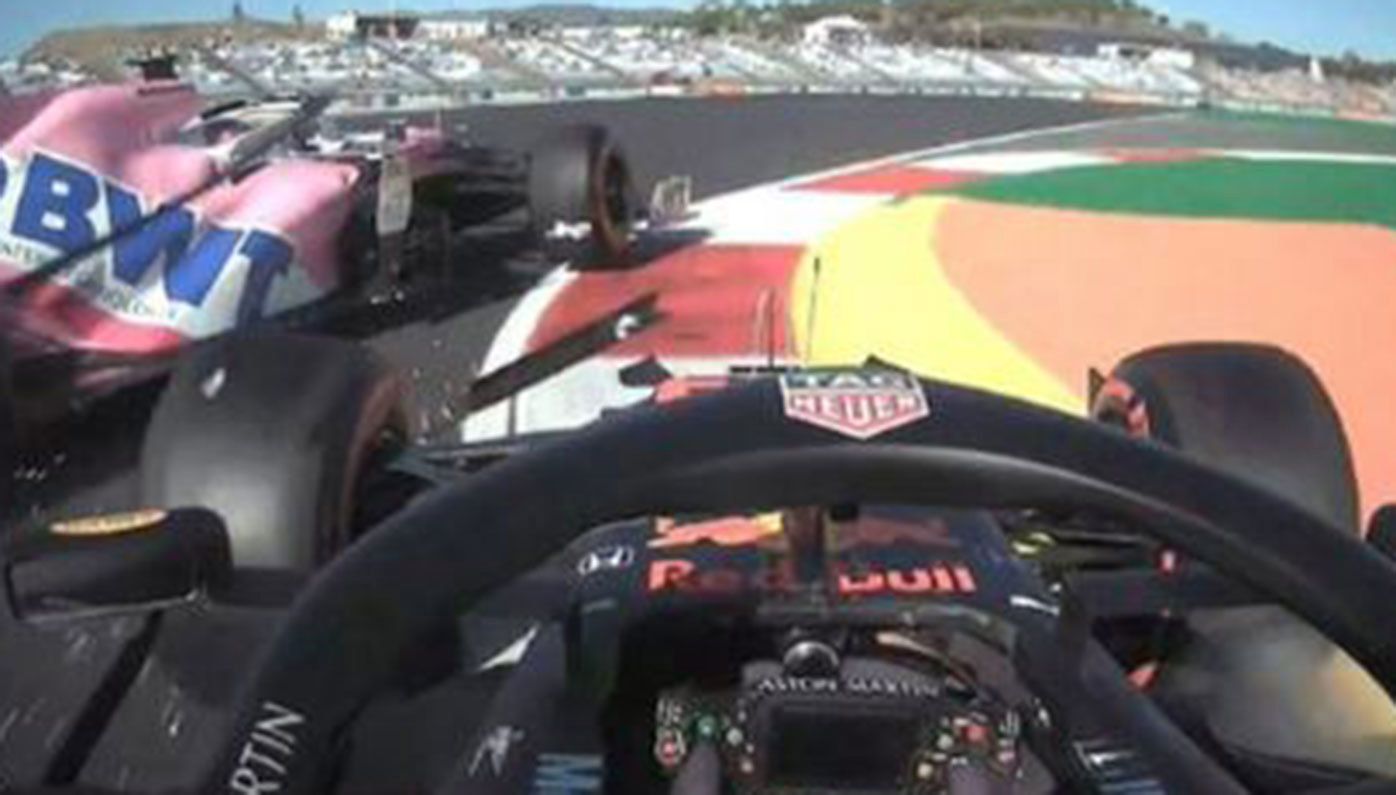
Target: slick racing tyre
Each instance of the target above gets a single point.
(579, 175)
(1257, 412)
(1260, 414)
(274, 432)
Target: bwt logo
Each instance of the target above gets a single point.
(58, 206)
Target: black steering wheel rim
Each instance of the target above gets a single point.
(736, 450)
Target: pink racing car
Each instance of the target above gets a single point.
(134, 221)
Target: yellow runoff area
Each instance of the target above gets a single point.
(874, 287)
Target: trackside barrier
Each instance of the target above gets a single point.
(370, 103)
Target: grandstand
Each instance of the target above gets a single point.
(834, 63)
(915, 64)
(524, 56)
(657, 59)
(558, 63)
(1052, 69)
(749, 63)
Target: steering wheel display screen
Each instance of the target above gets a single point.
(865, 751)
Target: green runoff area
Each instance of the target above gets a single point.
(1210, 186)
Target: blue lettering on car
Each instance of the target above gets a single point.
(54, 204)
(168, 233)
(268, 257)
(196, 272)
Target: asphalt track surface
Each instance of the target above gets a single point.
(724, 144)
(731, 143)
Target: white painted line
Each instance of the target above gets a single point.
(972, 143)
(509, 344)
(578, 395)
(1289, 156)
(512, 339)
(777, 217)
(1014, 162)
(491, 422)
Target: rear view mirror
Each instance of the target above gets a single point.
(129, 562)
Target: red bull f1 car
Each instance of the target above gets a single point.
(800, 582)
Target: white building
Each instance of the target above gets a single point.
(453, 28)
(842, 30)
(1315, 70)
(342, 25)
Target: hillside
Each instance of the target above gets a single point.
(565, 15)
(103, 50)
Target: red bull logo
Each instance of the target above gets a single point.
(767, 531)
(685, 576)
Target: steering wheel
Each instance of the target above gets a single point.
(737, 450)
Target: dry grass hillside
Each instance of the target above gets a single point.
(104, 50)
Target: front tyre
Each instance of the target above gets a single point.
(1256, 411)
(1261, 681)
(275, 432)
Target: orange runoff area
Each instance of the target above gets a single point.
(1073, 290)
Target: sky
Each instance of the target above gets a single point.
(1326, 27)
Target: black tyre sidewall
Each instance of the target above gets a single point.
(1258, 678)
(567, 184)
(280, 451)
(1255, 411)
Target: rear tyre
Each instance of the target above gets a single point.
(1257, 678)
(580, 175)
(274, 432)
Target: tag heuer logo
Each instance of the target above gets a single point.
(857, 404)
